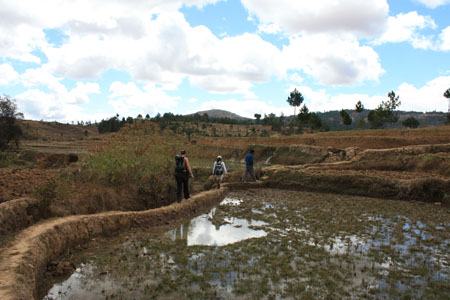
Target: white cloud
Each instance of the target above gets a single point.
(321, 16)
(405, 27)
(269, 28)
(434, 3)
(296, 78)
(445, 39)
(37, 105)
(426, 98)
(333, 60)
(39, 76)
(169, 51)
(80, 94)
(42, 77)
(7, 74)
(22, 22)
(157, 45)
(223, 85)
(58, 103)
(19, 42)
(127, 99)
(321, 100)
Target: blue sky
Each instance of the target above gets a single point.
(87, 60)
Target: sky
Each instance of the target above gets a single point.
(90, 59)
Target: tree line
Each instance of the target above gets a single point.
(385, 113)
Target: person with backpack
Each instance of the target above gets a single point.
(182, 173)
(219, 169)
(249, 166)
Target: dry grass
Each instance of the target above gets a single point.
(366, 139)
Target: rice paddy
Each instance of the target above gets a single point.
(274, 244)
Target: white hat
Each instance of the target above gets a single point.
(219, 157)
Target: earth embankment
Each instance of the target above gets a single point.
(26, 259)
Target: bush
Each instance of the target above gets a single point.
(134, 158)
(46, 194)
(110, 125)
(410, 122)
(10, 131)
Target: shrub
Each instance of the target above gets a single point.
(136, 157)
(10, 131)
(410, 122)
(46, 194)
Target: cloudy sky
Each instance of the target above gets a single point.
(88, 60)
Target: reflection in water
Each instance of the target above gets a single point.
(201, 230)
(78, 282)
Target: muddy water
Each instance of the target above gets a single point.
(272, 244)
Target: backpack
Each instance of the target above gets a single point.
(180, 166)
(218, 169)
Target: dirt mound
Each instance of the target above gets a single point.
(433, 159)
(18, 214)
(17, 183)
(370, 183)
(48, 160)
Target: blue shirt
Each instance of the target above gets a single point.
(249, 159)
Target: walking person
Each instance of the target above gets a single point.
(249, 166)
(219, 170)
(182, 173)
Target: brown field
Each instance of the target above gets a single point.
(48, 168)
(49, 145)
(366, 139)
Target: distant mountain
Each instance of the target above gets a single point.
(219, 113)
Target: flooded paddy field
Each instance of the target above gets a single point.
(274, 244)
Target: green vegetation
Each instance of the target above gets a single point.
(346, 119)
(140, 158)
(110, 125)
(46, 194)
(384, 113)
(10, 131)
(295, 99)
(410, 122)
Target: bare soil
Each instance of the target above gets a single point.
(18, 183)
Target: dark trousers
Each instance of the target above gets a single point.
(182, 184)
(249, 170)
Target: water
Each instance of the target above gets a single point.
(202, 231)
(270, 244)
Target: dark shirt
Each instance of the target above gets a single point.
(249, 159)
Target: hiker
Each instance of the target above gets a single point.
(249, 166)
(182, 172)
(219, 169)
